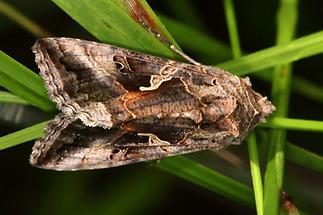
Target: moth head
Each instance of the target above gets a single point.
(230, 104)
(257, 107)
(263, 107)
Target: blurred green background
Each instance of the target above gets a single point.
(143, 188)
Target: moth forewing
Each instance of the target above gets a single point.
(110, 96)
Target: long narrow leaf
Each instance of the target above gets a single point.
(22, 136)
(274, 176)
(294, 124)
(23, 82)
(256, 173)
(233, 29)
(109, 21)
(22, 20)
(208, 178)
(295, 50)
(6, 97)
(304, 157)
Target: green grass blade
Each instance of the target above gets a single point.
(304, 157)
(295, 50)
(307, 88)
(274, 175)
(233, 29)
(208, 178)
(294, 124)
(23, 82)
(6, 97)
(22, 136)
(109, 22)
(22, 20)
(255, 172)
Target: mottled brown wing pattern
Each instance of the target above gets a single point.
(71, 145)
(121, 107)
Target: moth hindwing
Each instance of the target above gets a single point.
(120, 106)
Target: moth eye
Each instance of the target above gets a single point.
(209, 99)
(214, 82)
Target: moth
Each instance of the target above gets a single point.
(119, 106)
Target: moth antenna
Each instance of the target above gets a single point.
(185, 56)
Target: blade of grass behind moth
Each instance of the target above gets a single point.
(22, 136)
(208, 178)
(233, 28)
(294, 124)
(22, 20)
(6, 97)
(23, 82)
(297, 49)
(304, 157)
(211, 51)
(273, 183)
(255, 172)
(295, 153)
(251, 141)
(110, 22)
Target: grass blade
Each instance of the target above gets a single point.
(256, 173)
(109, 22)
(208, 178)
(23, 82)
(274, 175)
(295, 50)
(22, 20)
(233, 29)
(294, 124)
(6, 97)
(22, 136)
(304, 157)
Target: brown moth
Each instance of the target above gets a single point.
(120, 106)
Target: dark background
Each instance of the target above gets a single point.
(143, 188)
